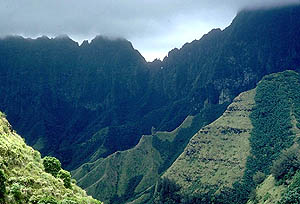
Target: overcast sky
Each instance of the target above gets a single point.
(153, 26)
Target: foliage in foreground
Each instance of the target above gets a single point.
(2, 186)
(27, 178)
(51, 165)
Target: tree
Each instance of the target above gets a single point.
(66, 177)
(166, 192)
(16, 192)
(259, 177)
(287, 163)
(52, 165)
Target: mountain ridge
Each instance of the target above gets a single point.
(91, 101)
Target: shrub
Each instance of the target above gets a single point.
(292, 194)
(68, 201)
(287, 163)
(52, 165)
(259, 177)
(16, 192)
(47, 200)
(66, 177)
(167, 191)
(37, 156)
(253, 196)
(2, 115)
(73, 181)
(2, 185)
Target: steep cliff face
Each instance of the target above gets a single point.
(59, 94)
(222, 64)
(100, 97)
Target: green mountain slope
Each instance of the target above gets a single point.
(23, 178)
(221, 161)
(72, 101)
(216, 155)
(128, 175)
(225, 158)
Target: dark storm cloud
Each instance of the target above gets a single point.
(155, 24)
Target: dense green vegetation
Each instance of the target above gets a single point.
(23, 175)
(66, 177)
(277, 98)
(287, 164)
(47, 200)
(51, 165)
(286, 173)
(292, 193)
(2, 186)
(283, 191)
(276, 110)
(83, 103)
(168, 191)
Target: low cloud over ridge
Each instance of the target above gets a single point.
(153, 26)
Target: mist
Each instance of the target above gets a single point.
(154, 27)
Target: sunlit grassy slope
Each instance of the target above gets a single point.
(216, 155)
(128, 172)
(26, 180)
(127, 175)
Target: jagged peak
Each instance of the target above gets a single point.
(105, 39)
